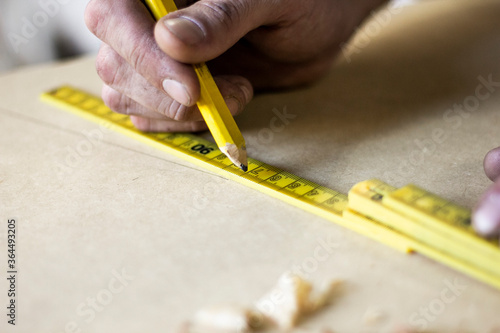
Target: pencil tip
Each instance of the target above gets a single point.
(237, 155)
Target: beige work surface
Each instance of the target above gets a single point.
(190, 239)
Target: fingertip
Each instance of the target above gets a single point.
(486, 217)
(492, 164)
(483, 223)
(247, 90)
(141, 123)
(236, 90)
(110, 97)
(234, 105)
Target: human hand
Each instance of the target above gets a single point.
(250, 45)
(486, 217)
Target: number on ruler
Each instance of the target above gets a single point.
(202, 149)
(295, 185)
(312, 193)
(256, 171)
(332, 201)
(275, 178)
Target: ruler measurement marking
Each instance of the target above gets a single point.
(408, 203)
(305, 194)
(265, 180)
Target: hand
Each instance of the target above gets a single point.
(252, 44)
(486, 217)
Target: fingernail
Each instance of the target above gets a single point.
(186, 30)
(234, 105)
(177, 91)
(486, 219)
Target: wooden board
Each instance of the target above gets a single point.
(91, 203)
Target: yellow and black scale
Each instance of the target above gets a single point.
(409, 219)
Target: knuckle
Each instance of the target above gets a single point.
(94, 18)
(137, 59)
(90, 14)
(114, 100)
(226, 12)
(108, 65)
(140, 57)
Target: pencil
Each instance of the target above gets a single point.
(214, 110)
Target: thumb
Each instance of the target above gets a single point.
(208, 28)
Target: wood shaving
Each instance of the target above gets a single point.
(283, 306)
(373, 317)
(222, 319)
(292, 298)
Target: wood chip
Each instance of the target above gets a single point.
(292, 298)
(283, 306)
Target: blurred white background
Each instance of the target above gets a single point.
(35, 31)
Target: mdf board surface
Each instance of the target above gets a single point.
(93, 205)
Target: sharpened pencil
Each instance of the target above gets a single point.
(212, 106)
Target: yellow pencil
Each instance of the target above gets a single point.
(214, 110)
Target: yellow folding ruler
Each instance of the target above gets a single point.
(408, 219)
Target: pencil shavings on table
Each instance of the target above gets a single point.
(293, 298)
(282, 307)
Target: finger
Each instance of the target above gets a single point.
(236, 91)
(486, 217)
(158, 125)
(492, 164)
(123, 104)
(130, 93)
(265, 73)
(127, 87)
(208, 28)
(128, 28)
